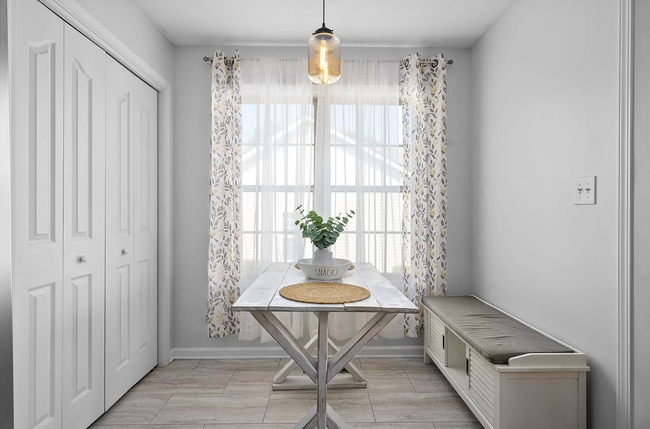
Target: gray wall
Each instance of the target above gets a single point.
(641, 227)
(545, 111)
(191, 167)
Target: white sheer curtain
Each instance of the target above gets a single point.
(358, 167)
(277, 172)
(360, 158)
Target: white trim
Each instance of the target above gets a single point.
(78, 17)
(75, 15)
(275, 352)
(626, 79)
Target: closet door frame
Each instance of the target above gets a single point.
(75, 15)
(6, 244)
(78, 18)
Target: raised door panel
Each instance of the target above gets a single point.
(145, 227)
(37, 215)
(120, 267)
(84, 217)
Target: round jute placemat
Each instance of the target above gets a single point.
(324, 293)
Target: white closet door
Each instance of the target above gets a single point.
(120, 235)
(83, 262)
(145, 282)
(38, 215)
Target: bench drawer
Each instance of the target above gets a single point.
(436, 339)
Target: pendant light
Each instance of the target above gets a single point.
(324, 55)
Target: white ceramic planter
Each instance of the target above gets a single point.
(323, 256)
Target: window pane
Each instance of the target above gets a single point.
(250, 160)
(277, 175)
(343, 202)
(366, 175)
(346, 246)
(394, 212)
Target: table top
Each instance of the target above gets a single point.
(264, 293)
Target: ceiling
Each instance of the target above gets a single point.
(372, 23)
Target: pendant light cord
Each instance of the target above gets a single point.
(323, 13)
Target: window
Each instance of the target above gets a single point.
(366, 173)
(361, 144)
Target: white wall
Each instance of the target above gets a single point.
(545, 111)
(131, 25)
(191, 180)
(641, 228)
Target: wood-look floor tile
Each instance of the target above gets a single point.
(179, 365)
(392, 363)
(133, 409)
(291, 407)
(430, 380)
(250, 426)
(251, 382)
(149, 427)
(391, 425)
(239, 364)
(213, 409)
(388, 381)
(458, 425)
(184, 382)
(419, 407)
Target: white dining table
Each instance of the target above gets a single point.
(262, 298)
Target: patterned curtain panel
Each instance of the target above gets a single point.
(224, 263)
(423, 97)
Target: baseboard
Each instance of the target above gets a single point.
(274, 352)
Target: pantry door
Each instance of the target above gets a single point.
(37, 216)
(83, 230)
(145, 314)
(119, 231)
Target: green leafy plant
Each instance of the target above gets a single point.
(322, 233)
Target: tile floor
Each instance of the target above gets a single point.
(236, 394)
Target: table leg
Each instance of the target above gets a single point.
(308, 421)
(291, 365)
(321, 380)
(352, 368)
(300, 382)
(321, 370)
(287, 341)
(356, 343)
(334, 421)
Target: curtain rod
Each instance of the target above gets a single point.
(450, 62)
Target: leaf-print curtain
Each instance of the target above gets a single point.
(224, 258)
(423, 97)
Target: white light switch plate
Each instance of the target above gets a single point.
(584, 190)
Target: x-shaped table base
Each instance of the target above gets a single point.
(284, 380)
(322, 370)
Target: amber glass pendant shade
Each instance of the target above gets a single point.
(324, 57)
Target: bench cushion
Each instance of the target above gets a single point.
(492, 333)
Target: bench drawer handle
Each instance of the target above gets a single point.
(466, 366)
(443, 341)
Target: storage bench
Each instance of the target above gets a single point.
(511, 375)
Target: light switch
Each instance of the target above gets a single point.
(584, 190)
